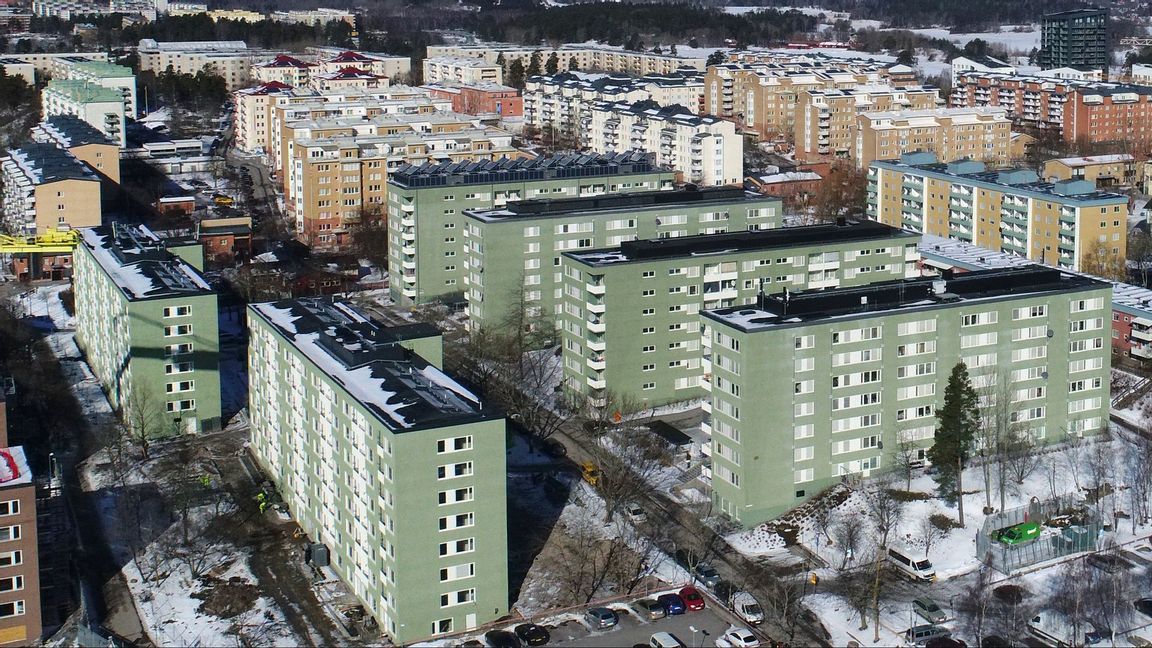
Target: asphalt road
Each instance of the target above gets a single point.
(632, 630)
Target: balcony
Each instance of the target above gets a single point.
(596, 345)
(1143, 351)
(408, 249)
(1142, 329)
(596, 308)
(597, 383)
(595, 289)
(597, 364)
(596, 326)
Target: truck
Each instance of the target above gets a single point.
(590, 473)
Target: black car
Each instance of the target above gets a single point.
(501, 639)
(1143, 606)
(532, 634)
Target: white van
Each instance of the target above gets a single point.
(665, 640)
(919, 569)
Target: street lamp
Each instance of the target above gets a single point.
(694, 631)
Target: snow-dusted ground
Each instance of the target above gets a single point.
(159, 574)
(1016, 42)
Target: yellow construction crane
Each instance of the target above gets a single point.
(54, 242)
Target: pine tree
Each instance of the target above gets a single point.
(716, 57)
(534, 64)
(573, 64)
(553, 64)
(957, 421)
(515, 76)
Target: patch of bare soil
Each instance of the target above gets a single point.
(226, 598)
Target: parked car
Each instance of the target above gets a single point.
(532, 634)
(665, 640)
(1020, 534)
(929, 610)
(737, 637)
(919, 569)
(650, 609)
(501, 639)
(590, 473)
(921, 634)
(636, 514)
(1143, 606)
(707, 575)
(746, 607)
(693, 599)
(601, 617)
(672, 603)
(1109, 563)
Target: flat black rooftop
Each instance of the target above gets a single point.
(615, 202)
(524, 169)
(366, 359)
(813, 305)
(732, 242)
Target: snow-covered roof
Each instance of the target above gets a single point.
(788, 176)
(1089, 160)
(139, 263)
(367, 360)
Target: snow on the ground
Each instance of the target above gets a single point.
(843, 622)
(520, 454)
(1138, 413)
(1021, 41)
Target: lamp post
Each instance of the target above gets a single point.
(694, 631)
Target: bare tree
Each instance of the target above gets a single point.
(781, 599)
(848, 532)
(1100, 260)
(974, 602)
(628, 461)
(583, 563)
(141, 420)
(1021, 456)
(885, 509)
(929, 534)
(906, 459)
(1137, 466)
(1072, 595)
(1100, 460)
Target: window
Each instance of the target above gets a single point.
(456, 496)
(459, 521)
(15, 608)
(457, 598)
(177, 311)
(177, 368)
(647, 330)
(180, 406)
(455, 444)
(11, 507)
(805, 342)
(805, 475)
(8, 533)
(11, 583)
(649, 349)
(1028, 312)
(11, 558)
(803, 454)
(182, 386)
(443, 626)
(467, 545)
(648, 367)
(649, 386)
(450, 471)
(179, 329)
(457, 572)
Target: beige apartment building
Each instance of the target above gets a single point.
(587, 57)
(82, 140)
(335, 179)
(459, 69)
(1116, 170)
(46, 187)
(983, 134)
(232, 60)
(826, 119)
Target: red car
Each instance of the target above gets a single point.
(693, 600)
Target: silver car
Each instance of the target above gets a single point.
(929, 610)
(599, 618)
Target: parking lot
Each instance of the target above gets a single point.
(632, 630)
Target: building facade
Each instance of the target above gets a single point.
(563, 102)
(108, 75)
(516, 249)
(815, 386)
(1104, 171)
(826, 120)
(46, 187)
(103, 108)
(87, 144)
(20, 610)
(147, 322)
(703, 149)
(231, 60)
(962, 64)
(479, 99)
(577, 56)
(427, 240)
(1074, 38)
(1067, 223)
(388, 462)
(460, 69)
(983, 134)
(630, 316)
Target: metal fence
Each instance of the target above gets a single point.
(1069, 526)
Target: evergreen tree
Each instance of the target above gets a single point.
(534, 64)
(500, 60)
(957, 421)
(573, 64)
(553, 64)
(672, 49)
(906, 57)
(716, 57)
(515, 76)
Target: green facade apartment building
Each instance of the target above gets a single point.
(518, 248)
(814, 386)
(631, 315)
(147, 322)
(393, 466)
(426, 206)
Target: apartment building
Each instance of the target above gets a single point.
(384, 459)
(563, 101)
(1081, 111)
(896, 74)
(427, 236)
(231, 60)
(983, 134)
(461, 70)
(101, 107)
(1064, 223)
(283, 70)
(812, 386)
(146, 320)
(334, 59)
(1141, 74)
(314, 17)
(20, 611)
(1074, 38)
(1104, 171)
(334, 180)
(108, 75)
(973, 63)
(84, 142)
(479, 99)
(703, 149)
(71, 9)
(300, 71)
(826, 120)
(252, 114)
(630, 315)
(517, 248)
(348, 79)
(760, 93)
(37, 67)
(588, 57)
(46, 187)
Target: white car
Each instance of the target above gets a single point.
(746, 607)
(737, 637)
(637, 514)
